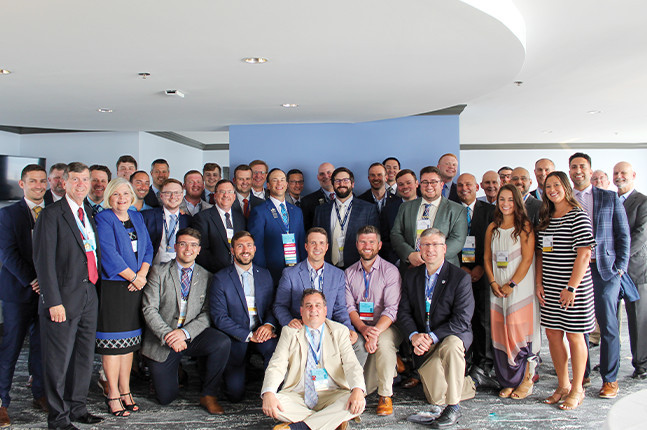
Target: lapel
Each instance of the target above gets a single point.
(440, 213)
(303, 348)
(278, 218)
(233, 275)
(159, 222)
(327, 286)
(326, 212)
(597, 202)
(217, 221)
(71, 221)
(439, 288)
(257, 294)
(176, 282)
(304, 274)
(630, 203)
(413, 218)
(419, 285)
(328, 346)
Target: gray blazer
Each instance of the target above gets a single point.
(451, 219)
(161, 307)
(636, 207)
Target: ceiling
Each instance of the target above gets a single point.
(340, 61)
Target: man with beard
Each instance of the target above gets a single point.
(520, 178)
(99, 178)
(392, 166)
(490, 184)
(407, 186)
(192, 203)
(448, 167)
(323, 195)
(342, 218)
(377, 193)
(240, 305)
(211, 173)
(141, 185)
(543, 167)
(56, 183)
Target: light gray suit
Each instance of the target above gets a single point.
(451, 219)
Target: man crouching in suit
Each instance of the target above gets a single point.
(323, 383)
(175, 307)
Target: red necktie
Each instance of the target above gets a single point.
(332, 196)
(246, 208)
(93, 275)
(211, 199)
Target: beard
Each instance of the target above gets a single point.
(343, 192)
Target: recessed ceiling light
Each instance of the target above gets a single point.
(255, 60)
(290, 105)
(518, 83)
(144, 75)
(547, 131)
(4, 71)
(176, 93)
(104, 110)
(594, 112)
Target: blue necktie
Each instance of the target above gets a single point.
(310, 395)
(469, 220)
(246, 288)
(284, 215)
(171, 231)
(425, 213)
(185, 282)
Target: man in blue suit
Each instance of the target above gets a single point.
(277, 228)
(19, 287)
(240, 304)
(608, 263)
(342, 217)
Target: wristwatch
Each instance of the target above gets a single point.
(570, 289)
(512, 283)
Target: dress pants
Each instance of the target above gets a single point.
(379, 367)
(480, 352)
(329, 412)
(637, 321)
(68, 355)
(234, 377)
(606, 295)
(20, 318)
(212, 344)
(443, 373)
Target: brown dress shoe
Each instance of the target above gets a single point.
(41, 403)
(282, 426)
(410, 383)
(384, 406)
(210, 403)
(609, 390)
(4, 417)
(342, 426)
(400, 367)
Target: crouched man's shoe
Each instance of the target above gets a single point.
(384, 406)
(210, 403)
(448, 418)
(4, 417)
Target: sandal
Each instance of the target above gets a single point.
(572, 401)
(119, 413)
(525, 388)
(133, 407)
(558, 396)
(505, 393)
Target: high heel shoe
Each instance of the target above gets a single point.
(559, 394)
(505, 393)
(133, 407)
(119, 413)
(573, 400)
(525, 388)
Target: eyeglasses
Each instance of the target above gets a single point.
(172, 193)
(429, 245)
(193, 245)
(296, 182)
(342, 181)
(259, 172)
(226, 192)
(433, 183)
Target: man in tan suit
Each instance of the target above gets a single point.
(324, 383)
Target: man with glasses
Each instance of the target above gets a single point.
(505, 174)
(259, 175)
(218, 225)
(295, 187)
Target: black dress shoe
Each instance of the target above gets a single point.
(481, 378)
(68, 427)
(88, 419)
(639, 373)
(448, 418)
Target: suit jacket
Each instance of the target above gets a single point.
(368, 197)
(266, 225)
(290, 199)
(154, 220)
(297, 279)
(533, 206)
(17, 273)
(288, 363)
(451, 219)
(60, 259)
(535, 194)
(253, 201)
(636, 208)
(611, 233)
(481, 219)
(228, 306)
(453, 193)
(216, 251)
(49, 198)
(151, 199)
(452, 305)
(362, 213)
(203, 207)
(309, 204)
(161, 307)
(387, 219)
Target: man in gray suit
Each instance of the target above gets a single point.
(635, 205)
(520, 177)
(430, 210)
(175, 307)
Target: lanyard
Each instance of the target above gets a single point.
(315, 353)
(342, 224)
(367, 282)
(177, 223)
(313, 277)
(84, 233)
(429, 286)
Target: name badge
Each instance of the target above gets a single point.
(422, 225)
(340, 244)
(469, 250)
(251, 305)
(289, 249)
(366, 311)
(89, 245)
(501, 259)
(427, 305)
(547, 244)
(134, 244)
(320, 378)
(230, 234)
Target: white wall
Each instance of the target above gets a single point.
(181, 158)
(9, 143)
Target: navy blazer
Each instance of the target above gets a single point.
(228, 306)
(16, 224)
(362, 213)
(266, 225)
(154, 220)
(151, 198)
(452, 305)
(216, 252)
(117, 250)
(297, 279)
(387, 219)
(611, 233)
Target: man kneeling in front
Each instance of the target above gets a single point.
(324, 383)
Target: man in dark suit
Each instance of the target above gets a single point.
(218, 225)
(175, 306)
(406, 185)
(212, 174)
(342, 218)
(277, 228)
(19, 288)
(520, 178)
(126, 165)
(448, 167)
(635, 205)
(479, 216)
(434, 315)
(67, 259)
(377, 194)
(56, 183)
(99, 178)
(163, 222)
(608, 263)
(392, 166)
(323, 195)
(159, 173)
(543, 167)
(245, 200)
(295, 187)
(240, 304)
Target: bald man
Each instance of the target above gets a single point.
(600, 179)
(520, 178)
(490, 184)
(323, 195)
(543, 167)
(448, 166)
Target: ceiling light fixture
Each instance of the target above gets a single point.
(104, 110)
(290, 105)
(255, 60)
(518, 83)
(594, 112)
(177, 93)
(144, 75)
(4, 71)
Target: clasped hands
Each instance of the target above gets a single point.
(421, 343)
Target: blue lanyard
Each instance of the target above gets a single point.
(84, 232)
(342, 224)
(315, 353)
(177, 223)
(429, 286)
(313, 277)
(367, 282)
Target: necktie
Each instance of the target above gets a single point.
(246, 208)
(96, 209)
(313, 280)
(580, 198)
(93, 274)
(469, 220)
(37, 210)
(284, 215)
(228, 224)
(185, 282)
(297, 203)
(336, 256)
(310, 395)
(445, 190)
(246, 286)
(425, 212)
(171, 231)
(332, 196)
(212, 201)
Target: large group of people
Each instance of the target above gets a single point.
(338, 293)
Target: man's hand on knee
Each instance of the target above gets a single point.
(271, 405)
(356, 401)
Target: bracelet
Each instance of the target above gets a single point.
(570, 289)
(134, 279)
(493, 282)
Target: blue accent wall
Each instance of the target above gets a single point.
(416, 141)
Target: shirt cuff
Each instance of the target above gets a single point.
(186, 333)
(249, 336)
(433, 337)
(412, 334)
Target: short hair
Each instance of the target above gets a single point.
(137, 173)
(449, 154)
(580, 155)
(406, 172)
(208, 167)
(224, 181)
(311, 291)
(391, 158)
(101, 168)
(319, 230)
(189, 231)
(57, 166)
(192, 172)
(545, 159)
(504, 168)
(31, 168)
(126, 159)
(601, 171)
(112, 186)
(377, 164)
(76, 167)
(170, 181)
(369, 229)
(433, 231)
(158, 161)
(242, 168)
(339, 170)
(257, 162)
(240, 235)
(275, 169)
(293, 172)
(430, 169)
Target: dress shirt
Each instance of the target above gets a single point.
(88, 225)
(432, 210)
(380, 203)
(392, 189)
(223, 218)
(207, 195)
(93, 205)
(253, 321)
(384, 289)
(432, 278)
(260, 194)
(625, 196)
(484, 199)
(540, 192)
(32, 205)
(471, 212)
(55, 197)
(585, 197)
(145, 207)
(162, 255)
(327, 194)
(318, 285)
(277, 204)
(337, 231)
(240, 198)
(343, 207)
(193, 209)
(183, 303)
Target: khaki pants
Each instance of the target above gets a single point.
(379, 367)
(443, 373)
(328, 414)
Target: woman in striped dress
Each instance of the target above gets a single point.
(564, 286)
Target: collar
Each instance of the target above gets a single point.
(222, 212)
(180, 267)
(375, 266)
(278, 202)
(75, 207)
(167, 213)
(471, 205)
(627, 194)
(587, 190)
(240, 270)
(32, 205)
(436, 272)
(312, 268)
(435, 203)
(346, 203)
(240, 197)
